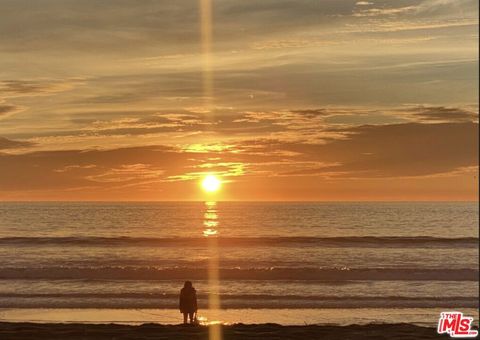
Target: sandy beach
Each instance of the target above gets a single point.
(19, 331)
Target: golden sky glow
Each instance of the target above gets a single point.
(282, 100)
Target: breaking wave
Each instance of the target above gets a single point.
(146, 300)
(272, 273)
(368, 241)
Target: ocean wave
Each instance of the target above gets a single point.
(347, 241)
(145, 300)
(294, 297)
(272, 273)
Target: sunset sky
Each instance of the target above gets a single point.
(311, 100)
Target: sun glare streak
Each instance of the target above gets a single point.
(206, 38)
(210, 183)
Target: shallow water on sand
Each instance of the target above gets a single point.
(336, 316)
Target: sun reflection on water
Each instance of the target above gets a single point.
(205, 322)
(211, 232)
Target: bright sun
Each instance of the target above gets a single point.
(211, 183)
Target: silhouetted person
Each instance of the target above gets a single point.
(188, 302)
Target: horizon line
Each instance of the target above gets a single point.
(240, 201)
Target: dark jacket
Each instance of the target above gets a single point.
(188, 300)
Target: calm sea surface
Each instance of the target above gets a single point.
(295, 256)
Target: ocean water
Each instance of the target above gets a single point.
(291, 257)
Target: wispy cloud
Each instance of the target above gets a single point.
(6, 143)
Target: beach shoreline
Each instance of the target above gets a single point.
(73, 331)
(427, 317)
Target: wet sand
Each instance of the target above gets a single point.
(238, 331)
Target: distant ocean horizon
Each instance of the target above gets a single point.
(236, 201)
(271, 255)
